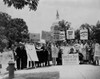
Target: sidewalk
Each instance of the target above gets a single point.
(65, 72)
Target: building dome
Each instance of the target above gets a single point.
(55, 24)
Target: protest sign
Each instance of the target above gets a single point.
(55, 35)
(62, 35)
(70, 34)
(46, 36)
(84, 34)
(34, 37)
(31, 52)
(70, 59)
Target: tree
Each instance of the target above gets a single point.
(64, 25)
(77, 34)
(96, 32)
(17, 30)
(4, 21)
(20, 4)
(92, 33)
(12, 30)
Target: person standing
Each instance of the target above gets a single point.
(24, 57)
(45, 55)
(83, 50)
(49, 53)
(97, 53)
(80, 56)
(18, 56)
(54, 53)
(72, 51)
(59, 59)
(77, 46)
(93, 51)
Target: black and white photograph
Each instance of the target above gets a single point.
(49, 39)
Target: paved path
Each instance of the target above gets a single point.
(68, 72)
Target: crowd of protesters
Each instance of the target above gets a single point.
(47, 54)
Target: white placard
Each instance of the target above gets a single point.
(84, 34)
(31, 52)
(70, 59)
(62, 35)
(70, 34)
(55, 35)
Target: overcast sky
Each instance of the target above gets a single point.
(75, 11)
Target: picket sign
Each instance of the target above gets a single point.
(31, 52)
(34, 37)
(70, 34)
(70, 59)
(62, 35)
(46, 35)
(84, 34)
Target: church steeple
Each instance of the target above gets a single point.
(57, 15)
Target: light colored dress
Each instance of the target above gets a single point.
(55, 51)
(97, 51)
(83, 51)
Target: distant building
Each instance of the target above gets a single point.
(56, 32)
(55, 24)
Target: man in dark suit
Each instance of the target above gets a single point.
(21, 57)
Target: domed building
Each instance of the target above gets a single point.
(55, 29)
(55, 25)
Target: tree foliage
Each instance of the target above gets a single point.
(77, 34)
(17, 29)
(4, 21)
(96, 30)
(12, 30)
(20, 4)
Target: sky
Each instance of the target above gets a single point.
(77, 12)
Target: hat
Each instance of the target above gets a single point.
(72, 49)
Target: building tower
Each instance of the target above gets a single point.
(57, 15)
(56, 24)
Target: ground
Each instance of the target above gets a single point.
(60, 72)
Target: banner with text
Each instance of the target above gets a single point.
(70, 59)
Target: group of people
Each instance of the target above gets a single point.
(32, 55)
(86, 50)
(29, 55)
